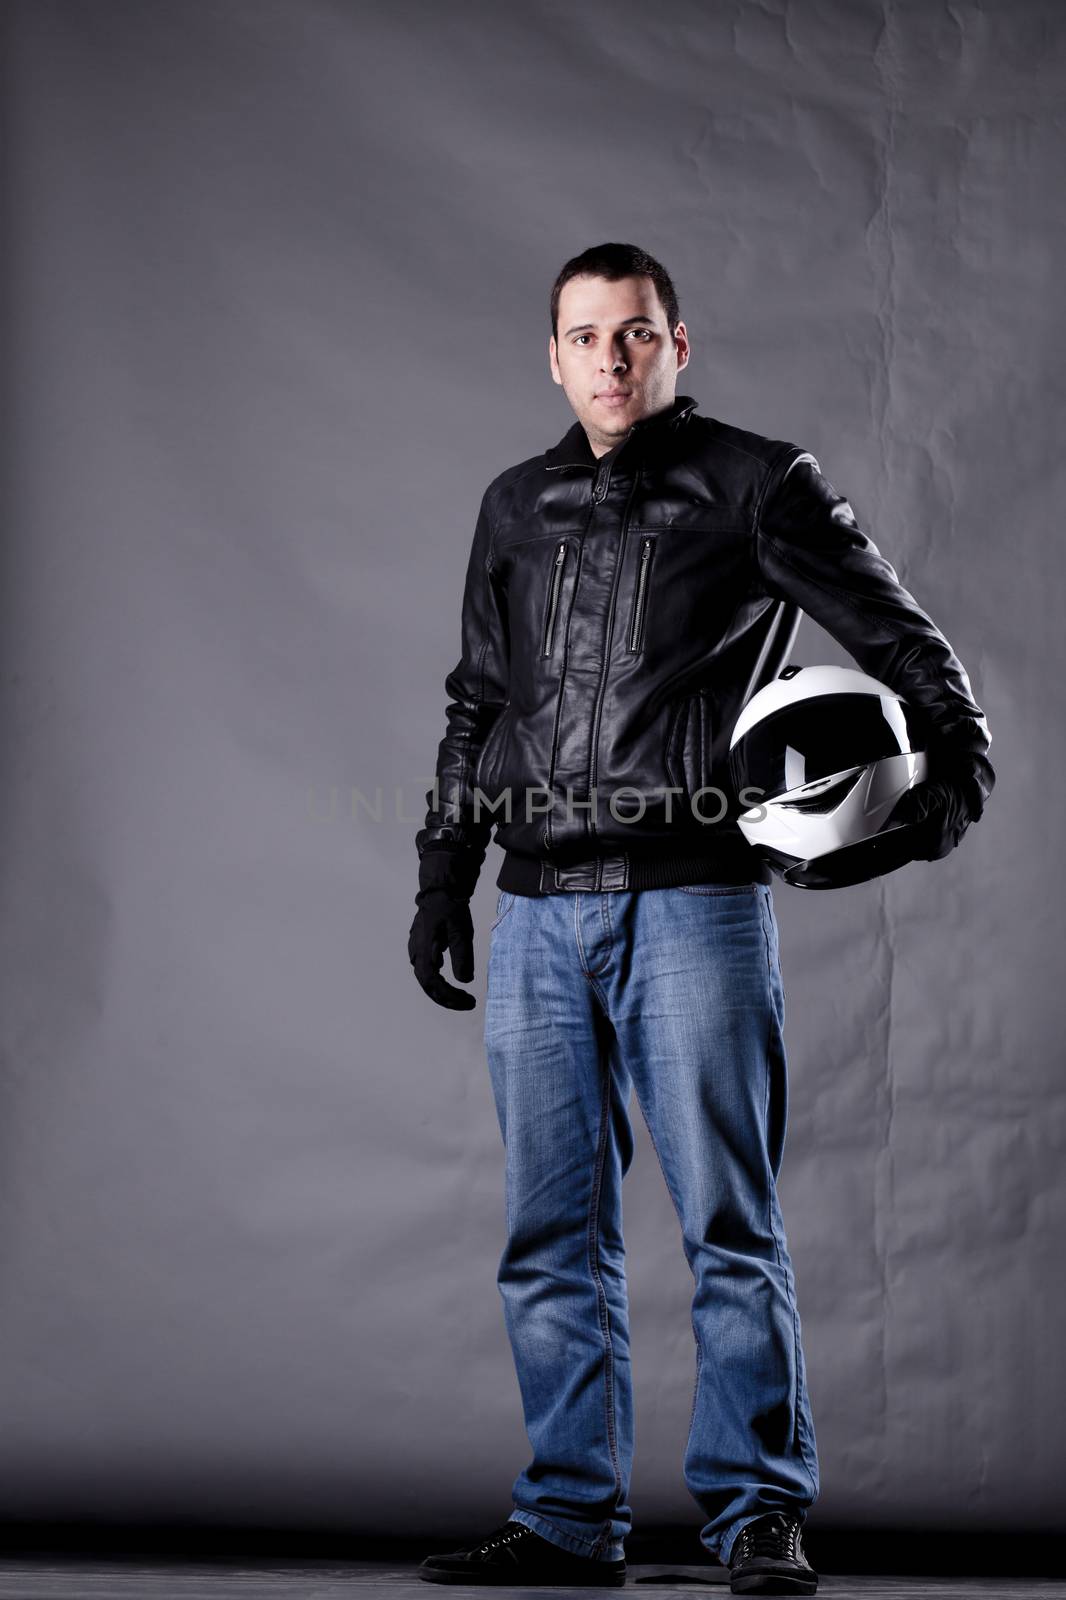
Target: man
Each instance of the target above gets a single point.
(627, 592)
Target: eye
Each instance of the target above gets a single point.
(645, 331)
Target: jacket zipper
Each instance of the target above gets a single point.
(597, 709)
(553, 598)
(642, 588)
(600, 484)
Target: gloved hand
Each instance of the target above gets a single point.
(447, 877)
(943, 806)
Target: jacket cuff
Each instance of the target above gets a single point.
(450, 867)
(970, 771)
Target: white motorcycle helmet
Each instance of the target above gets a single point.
(820, 756)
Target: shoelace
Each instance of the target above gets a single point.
(504, 1534)
(774, 1537)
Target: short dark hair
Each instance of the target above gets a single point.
(614, 261)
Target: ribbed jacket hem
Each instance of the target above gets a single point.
(625, 869)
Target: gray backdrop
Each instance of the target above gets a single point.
(278, 277)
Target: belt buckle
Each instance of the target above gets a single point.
(600, 873)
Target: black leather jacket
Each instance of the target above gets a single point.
(617, 615)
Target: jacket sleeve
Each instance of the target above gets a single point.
(810, 549)
(476, 690)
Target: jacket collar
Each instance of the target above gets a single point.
(574, 449)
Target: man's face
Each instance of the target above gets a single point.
(614, 357)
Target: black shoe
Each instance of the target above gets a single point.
(513, 1553)
(767, 1557)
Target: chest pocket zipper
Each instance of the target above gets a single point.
(640, 606)
(553, 597)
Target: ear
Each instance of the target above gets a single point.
(553, 360)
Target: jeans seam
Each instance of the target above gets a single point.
(797, 1432)
(604, 1309)
(662, 1169)
(696, 1386)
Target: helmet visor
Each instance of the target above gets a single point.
(813, 739)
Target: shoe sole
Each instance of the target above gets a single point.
(773, 1583)
(524, 1580)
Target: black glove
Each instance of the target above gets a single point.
(446, 877)
(945, 803)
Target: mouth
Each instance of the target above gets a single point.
(613, 397)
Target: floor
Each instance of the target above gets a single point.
(86, 1561)
(26, 1576)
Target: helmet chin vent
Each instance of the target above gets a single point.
(826, 799)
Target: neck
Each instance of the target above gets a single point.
(600, 448)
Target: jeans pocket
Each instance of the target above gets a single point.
(504, 904)
(717, 888)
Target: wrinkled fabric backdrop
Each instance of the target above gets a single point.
(277, 310)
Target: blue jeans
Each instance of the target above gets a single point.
(678, 992)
